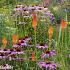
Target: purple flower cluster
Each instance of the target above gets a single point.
(50, 65)
(49, 14)
(42, 45)
(19, 8)
(22, 42)
(6, 67)
(29, 9)
(48, 54)
(5, 53)
(17, 49)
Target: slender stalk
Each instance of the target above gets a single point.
(35, 45)
(62, 37)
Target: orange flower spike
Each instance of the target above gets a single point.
(4, 41)
(33, 56)
(14, 39)
(34, 20)
(63, 24)
(50, 31)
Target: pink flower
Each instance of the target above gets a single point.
(50, 65)
(43, 46)
(48, 54)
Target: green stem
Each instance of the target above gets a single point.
(35, 48)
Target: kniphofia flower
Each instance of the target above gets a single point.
(63, 24)
(4, 41)
(50, 31)
(34, 20)
(33, 56)
(14, 39)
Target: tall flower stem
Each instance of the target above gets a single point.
(62, 37)
(35, 45)
(59, 50)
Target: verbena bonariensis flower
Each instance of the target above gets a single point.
(42, 45)
(50, 65)
(48, 54)
(6, 67)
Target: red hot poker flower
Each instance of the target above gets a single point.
(63, 24)
(14, 39)
(34, 20)
(4, 41)
(33, 56)
(50, 31)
